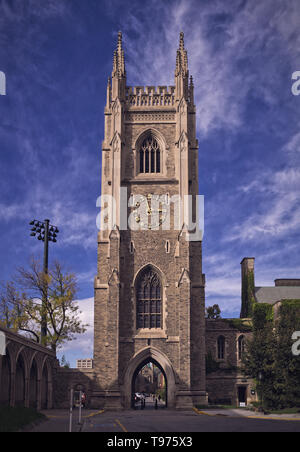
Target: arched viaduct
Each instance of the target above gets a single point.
(26, 373)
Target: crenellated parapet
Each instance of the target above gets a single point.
(150, 96)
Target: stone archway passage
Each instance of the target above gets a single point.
(45, 383)
(149, 354)
(20, 382)
(33, 385)
(5, 387)
(136, 374)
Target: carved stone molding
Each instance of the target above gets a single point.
(149, 117)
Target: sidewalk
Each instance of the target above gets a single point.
(59, 420)
(238, 412)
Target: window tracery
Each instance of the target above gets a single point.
(150, 156)
(149, 301)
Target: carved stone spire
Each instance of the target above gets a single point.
(119, 72)
(119, 60)
(182, 71)
(181, 58)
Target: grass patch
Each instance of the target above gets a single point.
(14, 419)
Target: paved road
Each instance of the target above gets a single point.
(163, 420)
(182, 421)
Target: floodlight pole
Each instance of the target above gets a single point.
(45, 298)
(47, 233)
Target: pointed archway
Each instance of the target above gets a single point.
(144, 356)
(136, 374)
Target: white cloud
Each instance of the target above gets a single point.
(82, 346)
(217, 52)
(278, 211)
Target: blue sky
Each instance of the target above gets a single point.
(57, 56)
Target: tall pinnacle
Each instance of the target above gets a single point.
(181, 58)
(181, 41)
(119, 60)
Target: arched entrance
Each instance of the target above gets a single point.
(45, 382)
(5, 387)
(33, 384)
(156, 385)
(20, 381)
(143, 357)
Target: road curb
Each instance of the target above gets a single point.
(265, 418)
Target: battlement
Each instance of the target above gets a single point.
(150, 96)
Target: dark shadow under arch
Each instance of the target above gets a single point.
(5, 389)
(33, 385)
(45, 385)
(137, 371)
(145, 355)
(20, 381)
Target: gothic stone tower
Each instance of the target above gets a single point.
(149, 288)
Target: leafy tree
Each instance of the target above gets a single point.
(16, 312)
(24, 310)
(213, 312)
(287, 365)
(64, 363)
(259, 357)
(269, 359)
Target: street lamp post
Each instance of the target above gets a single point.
(45, 232)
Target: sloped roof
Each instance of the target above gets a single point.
(272, 295)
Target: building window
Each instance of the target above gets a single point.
(221, 347)
(149, 300)
(131, 247)
(241, 346)
(150, 156)
(167, 246)
(84, 363)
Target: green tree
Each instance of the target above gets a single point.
(259, 358)
(64, 363)
(213, 312)
(269, 359)
(287, 365)
(16, 311)
(22, 307)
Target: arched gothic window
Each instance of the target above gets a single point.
(149, 300)
(150, 155)
(221, 347)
